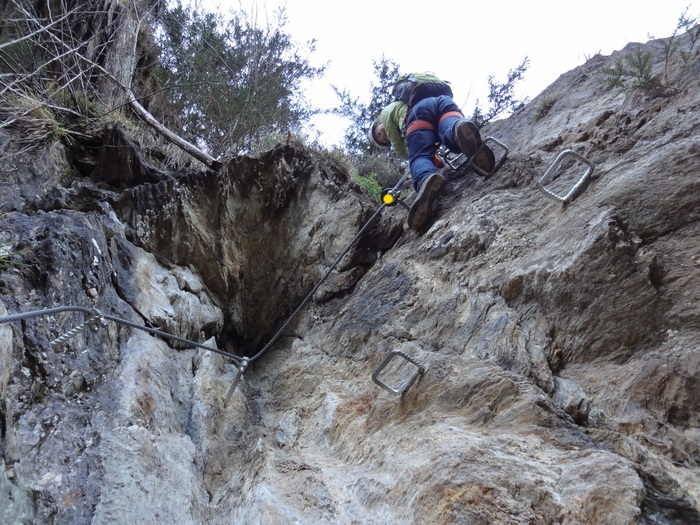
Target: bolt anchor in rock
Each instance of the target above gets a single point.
(239, 373)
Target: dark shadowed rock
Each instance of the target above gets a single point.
(559, 342)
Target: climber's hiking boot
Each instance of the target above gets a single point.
(467, 137)
(484, 160)
(423, 204)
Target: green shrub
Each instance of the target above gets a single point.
(8, 256)
(370, 184)
(501, 97)
(635, 71)
(543, 107)
(384, 169)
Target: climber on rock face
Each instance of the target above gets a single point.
(415, 125)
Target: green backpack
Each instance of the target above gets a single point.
(414, 87)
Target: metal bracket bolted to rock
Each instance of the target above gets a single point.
(577, 188)
(401, 389)
(461, 159)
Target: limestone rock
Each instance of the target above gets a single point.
(557, 343)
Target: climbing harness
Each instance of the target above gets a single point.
(461, 159)
(577, 189)
(402, 389)
(95, 317)
(391, 197)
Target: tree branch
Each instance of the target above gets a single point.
(140, 111)
(172, 137)
(38, 31)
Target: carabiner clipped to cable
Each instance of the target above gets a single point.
(390, 196)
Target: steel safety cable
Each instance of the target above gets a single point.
(317, 286)
(246, 360)
(96, 315)
(328, 272)
(244, 364)
(94, 312)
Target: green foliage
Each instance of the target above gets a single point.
(543, 107)
(8, 257)
(501, 99)
(635, 71)
(18, 57)
(229, 82)
(383, 166)
(50, 87)
(641, 66)
(219, 83)
(501, 96)
(615, 74)
(376, 169)
(362, 115)
(685, 24)
(385, 169)
(35, 119)
(370, 184)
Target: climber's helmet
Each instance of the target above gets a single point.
(377, 134)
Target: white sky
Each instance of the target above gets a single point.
(460, 40)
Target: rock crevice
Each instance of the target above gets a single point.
(562, 377)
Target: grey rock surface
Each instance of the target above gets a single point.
(560, 343)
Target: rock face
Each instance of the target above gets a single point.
(560, 342)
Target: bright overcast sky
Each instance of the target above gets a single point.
(460, 40)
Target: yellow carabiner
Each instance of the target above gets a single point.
(389, 197)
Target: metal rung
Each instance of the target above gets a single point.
(577, 189)
(460, 159)
(499, 160)
(420, 369)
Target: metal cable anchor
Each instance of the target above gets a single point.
(392, 196)
(95, 317)
(402, 389)
(577, 189)
(239, 373)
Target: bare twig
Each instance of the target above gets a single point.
(31, 36)
(61, 51)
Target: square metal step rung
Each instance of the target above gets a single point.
(402, 389)
(500, 159)
(460, 159)
(453, 161)
(577, 188)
